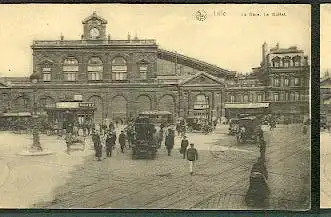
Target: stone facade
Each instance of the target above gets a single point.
(124, 77)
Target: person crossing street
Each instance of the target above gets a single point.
(122, 140)
(183, 146)
(192, 156)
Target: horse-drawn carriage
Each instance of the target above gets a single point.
(249, 130)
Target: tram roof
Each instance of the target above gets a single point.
(247, 105)
(155, 113)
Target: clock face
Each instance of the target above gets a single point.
(94, 32)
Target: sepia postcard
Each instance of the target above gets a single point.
(325, 109)
(134, 106)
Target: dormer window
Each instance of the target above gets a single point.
(143, 72)
(276, 62)
(286, 61)
(46, 73)
(297, 61)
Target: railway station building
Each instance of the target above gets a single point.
(125, 77)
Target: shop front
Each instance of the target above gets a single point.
(64, 115)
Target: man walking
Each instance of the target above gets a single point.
(262, 146)
(97, 145)
(69, 141)
(192, 156)
(109, 145)
(183, 146)
(122, 140)
(170, 141)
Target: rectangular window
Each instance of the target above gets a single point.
(143, 72)
(70, 76)
(286, 64)
(287, 96)
(119, 73)
(296, 96)
(297, 63)
(297, 81)
(286, 82)
(276, 82)
(259, 97)
(232, 99)
(276, 97)
(46, 73)
(94, 76)
(246, 98)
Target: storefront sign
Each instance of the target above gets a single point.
(86, 104)
(67, 105)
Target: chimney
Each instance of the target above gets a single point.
(264, 52)
(62, 37)
(82, 37)
(109, 37)
(327, 73)
(277, 46)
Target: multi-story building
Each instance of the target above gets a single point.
(282, 81)
(124, 77)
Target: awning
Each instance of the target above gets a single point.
(18, 114)
(247, 105)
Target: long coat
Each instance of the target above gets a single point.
(97, 144)
(170, 141)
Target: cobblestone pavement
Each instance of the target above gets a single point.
(220, 180)
(325, 170)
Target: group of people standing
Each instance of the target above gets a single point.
(109, 141)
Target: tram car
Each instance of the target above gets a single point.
(144, 144)
(248, 130)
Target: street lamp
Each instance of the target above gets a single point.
(36, 146)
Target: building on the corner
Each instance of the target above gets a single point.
(125, 77)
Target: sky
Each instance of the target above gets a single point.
(325, 43)
(231, 41)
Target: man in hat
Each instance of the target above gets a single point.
(97, 144)
(170, 141)
(192, 156)
(183, 146)
(122, 140)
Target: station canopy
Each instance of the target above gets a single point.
(247, 105)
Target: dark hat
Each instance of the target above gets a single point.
(191, 144)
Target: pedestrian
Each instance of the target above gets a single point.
(113, 139)
(97, 144)
(183, 146)
(170, 141)
(192, 156)
(109, 144)
(122, 140)
(69, 141)
(262, 146)
(260, 167)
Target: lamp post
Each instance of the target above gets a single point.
(36, 146)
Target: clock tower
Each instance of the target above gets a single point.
(94, 27)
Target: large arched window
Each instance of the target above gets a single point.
(70, 69)
(119, 69)
(201, 102)
(95, 69)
